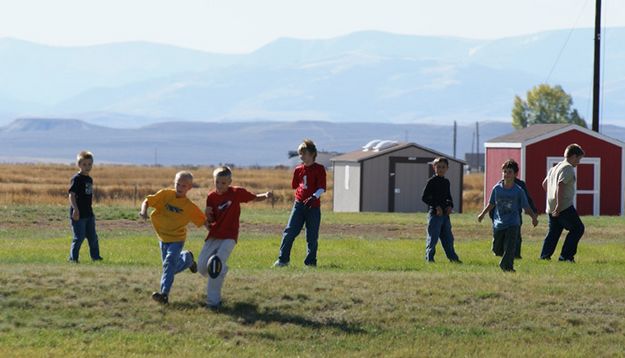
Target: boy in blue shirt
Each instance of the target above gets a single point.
(506, 200)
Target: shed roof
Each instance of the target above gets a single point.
(360, 155)
(539, 132)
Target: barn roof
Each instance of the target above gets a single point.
(539, 132)
(360, 155)
(531, 132)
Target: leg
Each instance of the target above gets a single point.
(498, 240)
(510, 237)
(447, 239)
(92, 239)
(313, 220)
(78, 231)
(208, 250)
(170, 253)
(433, 232)
(292, 229)
(551, 240)
(517, 253)
(571, 221)
(214, 285)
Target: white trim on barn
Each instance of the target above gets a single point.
(503, 145)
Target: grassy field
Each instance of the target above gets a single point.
(372, 294)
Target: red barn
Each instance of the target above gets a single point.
(600, 175)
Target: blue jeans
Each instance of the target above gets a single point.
(439, 227)
(80, 229)
(300, 215)
(174, 261)
(568, 219)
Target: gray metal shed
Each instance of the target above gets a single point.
(389, 176)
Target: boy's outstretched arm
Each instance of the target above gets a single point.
(486, 209)
(143, 213)
(263, 196)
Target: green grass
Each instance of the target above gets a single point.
(372, 295)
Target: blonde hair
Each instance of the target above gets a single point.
(309, 146)
(85, 154)
(222, 171)
(184, 175)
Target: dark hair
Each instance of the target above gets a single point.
(440, 160)
(510, 164)
(573, 149)
(309, 146)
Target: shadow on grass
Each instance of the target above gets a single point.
(248, 314)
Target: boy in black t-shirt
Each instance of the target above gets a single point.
(80, 212)
(437, 195)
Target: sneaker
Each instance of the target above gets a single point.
(310, 265)
(214, 307)
(193, 267)
(72, 261)
(546, 258)
(562, 259)
(279, 263)
(98, 259)
(456, 261)
(509, 270)
(160, 298)
(430, 261)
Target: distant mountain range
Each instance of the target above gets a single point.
(362, 77)
(241, 143)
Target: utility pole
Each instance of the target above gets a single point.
(477, 145)
(455, 137)
(596, 74)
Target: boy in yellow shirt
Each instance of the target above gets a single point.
(172, 213)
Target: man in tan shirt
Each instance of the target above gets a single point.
(560, 185)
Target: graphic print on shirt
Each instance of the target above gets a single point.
(304, 182)
(223, 206)
(505, 205)
(88, 188)
(173, 209)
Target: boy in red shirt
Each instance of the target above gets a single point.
(222, 210)
(309, 182)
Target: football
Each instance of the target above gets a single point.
(214, 266)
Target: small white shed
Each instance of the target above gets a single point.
(389, 176)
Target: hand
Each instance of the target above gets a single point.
(535, 221)
(449, 210)
(310, 201)
(143, 215)
(269, 194)
(439, 211)
(479, 218)
(75, 215)
(209, 214)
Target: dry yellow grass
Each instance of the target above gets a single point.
(128, 185)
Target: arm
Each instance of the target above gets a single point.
(263, 196)
(529, 211)
(143, 213)
(559, 191)
(72, 202)
(486, 209)
(545, 184)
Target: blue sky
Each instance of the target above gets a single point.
(239, 26)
